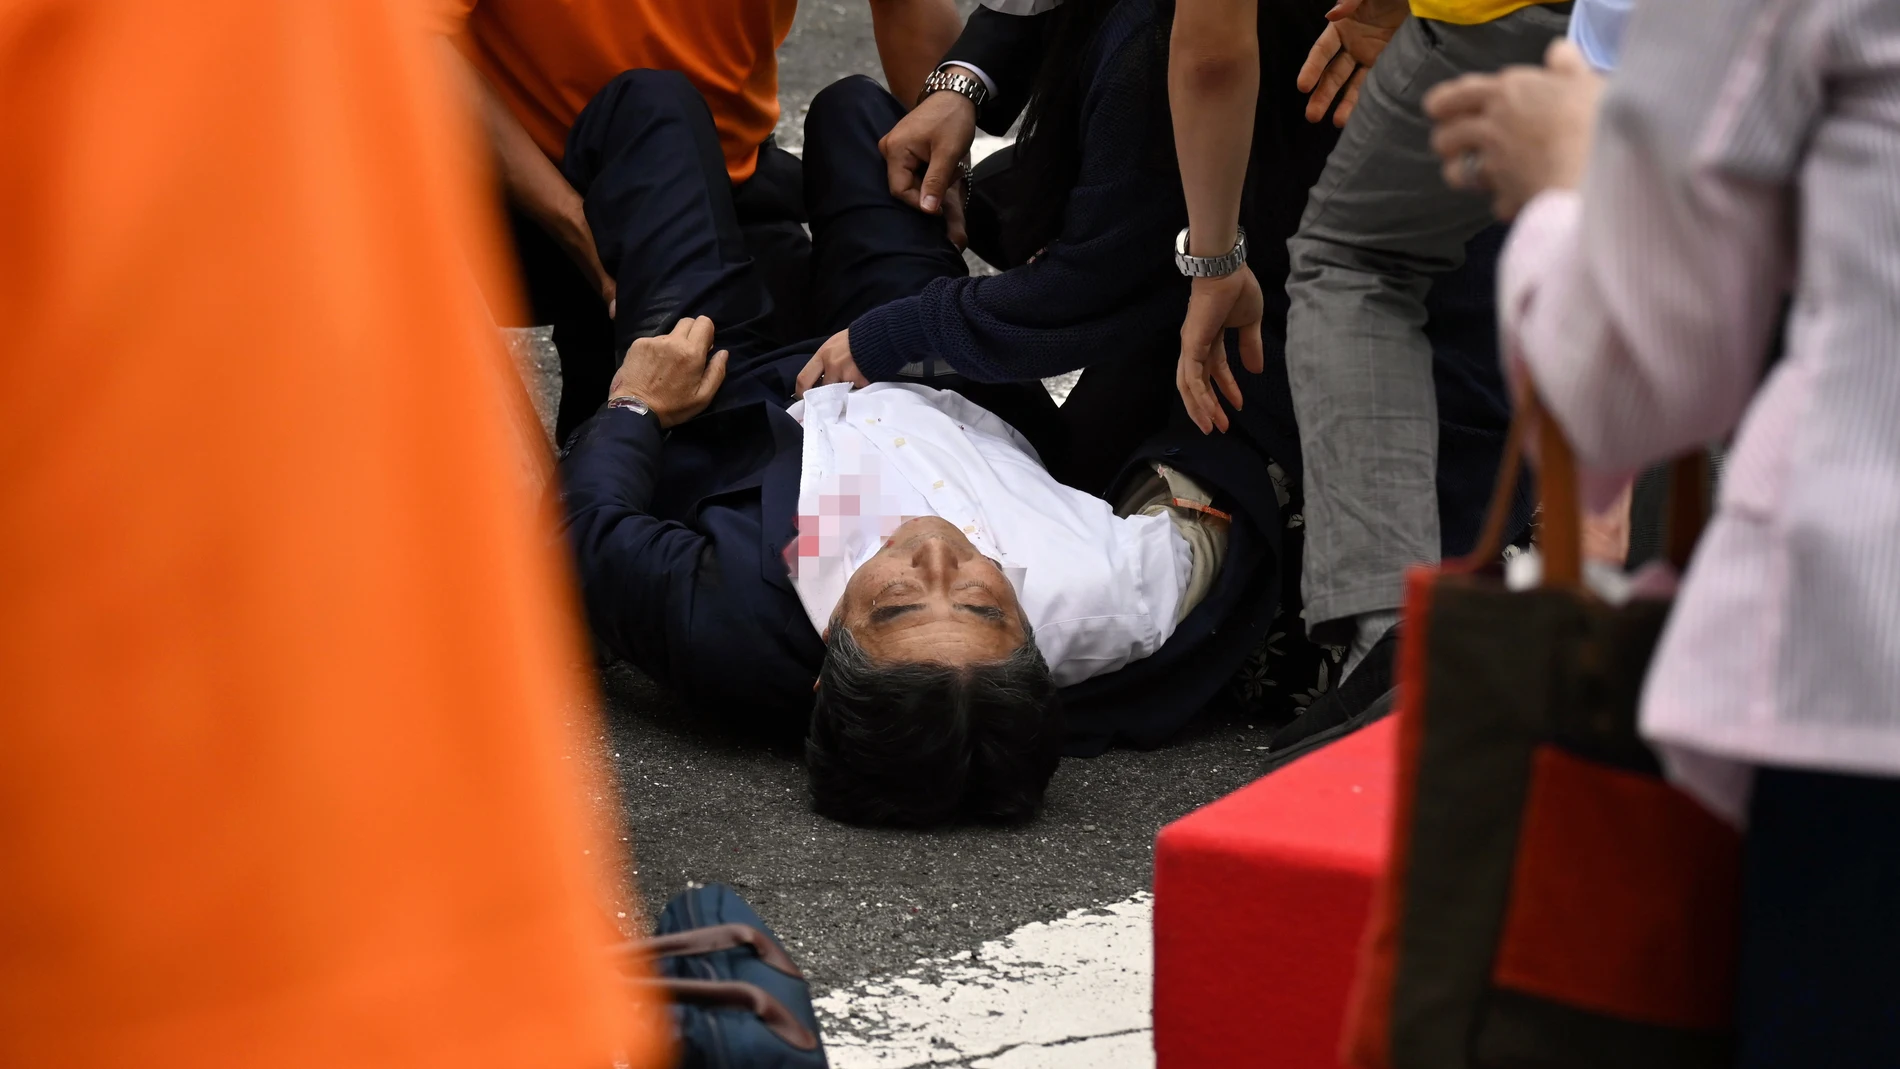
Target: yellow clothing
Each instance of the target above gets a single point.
(1470, 12)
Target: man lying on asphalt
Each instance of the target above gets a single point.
(900, 550)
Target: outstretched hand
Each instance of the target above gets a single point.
(831, 364)
(1336, 67)
(671, 372)
(1216, 305)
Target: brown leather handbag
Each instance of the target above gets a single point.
(1551, 900)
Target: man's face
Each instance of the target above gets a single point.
(929, 596)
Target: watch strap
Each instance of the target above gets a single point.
(1210, 266)
(942, 80)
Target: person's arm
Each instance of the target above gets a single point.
(636, 570)
(912, 36)
(1659, 285)
(1213, 85)
(531, 180)
(921, 152)
(1098, 288)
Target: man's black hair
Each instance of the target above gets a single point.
(919, 744)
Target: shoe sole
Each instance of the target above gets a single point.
(1380, 707)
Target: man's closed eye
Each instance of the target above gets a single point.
(888, 613)
(891, 612)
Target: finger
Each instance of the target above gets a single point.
(681, 329)
(849, 373)
(807, 376)
(936, 180)
(1317, 57)
(1452, 140)
(1181, 387)
(710, 379)
(1215, 357)
(1183, 370)
(900, 169)
(1565, 57)
(1224, 378)
(613, 308)
(1331, 81)
(1349, 98)
(1253, 354)
(1206, 410)
(700, 337)
(1465, 94)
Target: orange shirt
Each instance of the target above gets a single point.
(547, 60)
(286, 645)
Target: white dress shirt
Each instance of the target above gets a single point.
(1745, 148)
(1099, 590)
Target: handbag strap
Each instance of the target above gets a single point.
(711, 939)
(737, 995)
(1560, 538)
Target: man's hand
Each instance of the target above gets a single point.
(1215, 305)
(1356, 32)
(1519, 132)
(671, 373)
(932, 139)
(831, 363)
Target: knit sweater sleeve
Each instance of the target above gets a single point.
(1106, 286)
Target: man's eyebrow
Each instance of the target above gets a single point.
(987, 612)
(891, 612)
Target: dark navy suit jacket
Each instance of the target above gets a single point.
(680, 541)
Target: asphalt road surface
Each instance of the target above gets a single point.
(857, 905)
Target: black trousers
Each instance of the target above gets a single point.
(645, 157)
(1820, 963)
(769, 208)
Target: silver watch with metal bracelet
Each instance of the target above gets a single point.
(1210, 266)
(956, 82)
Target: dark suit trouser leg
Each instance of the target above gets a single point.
(869, 248)
(771, 210)
(645, 157)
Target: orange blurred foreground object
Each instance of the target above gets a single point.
(285, 642)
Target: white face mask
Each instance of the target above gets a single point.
(1596, 28)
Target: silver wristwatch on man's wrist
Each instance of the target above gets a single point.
(1210, 266)
(956, 82)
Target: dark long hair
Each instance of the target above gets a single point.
(1049, 149)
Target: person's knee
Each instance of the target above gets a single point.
(657, 89)
(852, 103)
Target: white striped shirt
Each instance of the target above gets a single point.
(1746, 149)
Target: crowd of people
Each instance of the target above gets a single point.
(1308, 258)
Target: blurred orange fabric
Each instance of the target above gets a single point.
(286, 645)
(547, 60)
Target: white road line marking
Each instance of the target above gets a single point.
(1072, 993)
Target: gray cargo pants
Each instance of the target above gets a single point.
(1378, 225)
